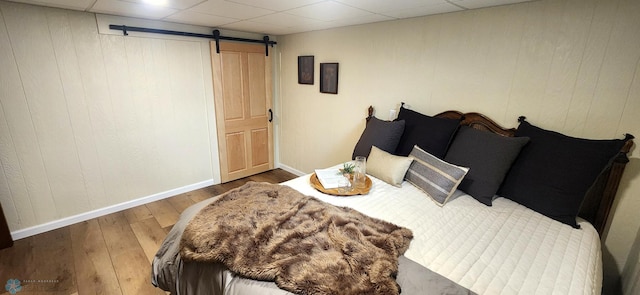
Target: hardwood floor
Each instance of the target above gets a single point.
(111, 254)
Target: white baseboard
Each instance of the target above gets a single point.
(34, 230)
(45, 227)
(291, 170)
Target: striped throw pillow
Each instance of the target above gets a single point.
(435, 177)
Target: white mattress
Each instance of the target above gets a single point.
(503, 249)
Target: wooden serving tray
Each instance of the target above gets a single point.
(334, 191)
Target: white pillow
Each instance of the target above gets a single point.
(387, 167)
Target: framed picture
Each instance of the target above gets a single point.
(329, 78)
(305, 69)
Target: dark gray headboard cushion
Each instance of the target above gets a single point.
(383, 134)
(488, 156)
(429, 133)
(553, 172)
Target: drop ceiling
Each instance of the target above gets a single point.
(273, 17)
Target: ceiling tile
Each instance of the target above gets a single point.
(328, 11)
(314, 27)
(230, 9)
(200, 19)
(423, 10)
(372, 18)
(276, 17)
(285, 20)
(68, 4)
(278, 5)
(131, 9)
(473, 4)
(266, 29)
(177, 4)
(378, 6)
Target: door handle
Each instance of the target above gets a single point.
(270, 115)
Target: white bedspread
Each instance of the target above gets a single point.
(503, 249)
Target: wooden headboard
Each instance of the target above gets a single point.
(598, 200)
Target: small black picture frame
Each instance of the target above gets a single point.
(305, 69)
(329, 78)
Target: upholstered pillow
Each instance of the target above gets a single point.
(383, 134)
(488, 156)
(387, 167)
(429, 133)
(553, 172)
(435, 177)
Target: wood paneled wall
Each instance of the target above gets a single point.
(89, 120)
(568, 65)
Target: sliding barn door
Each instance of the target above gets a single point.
(242, 90)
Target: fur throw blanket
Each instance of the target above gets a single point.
(272, 232)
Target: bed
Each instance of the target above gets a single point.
(461, 244)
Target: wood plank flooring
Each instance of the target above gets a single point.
(111, 254)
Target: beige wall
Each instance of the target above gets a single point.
(571, 66)
(88, 120)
